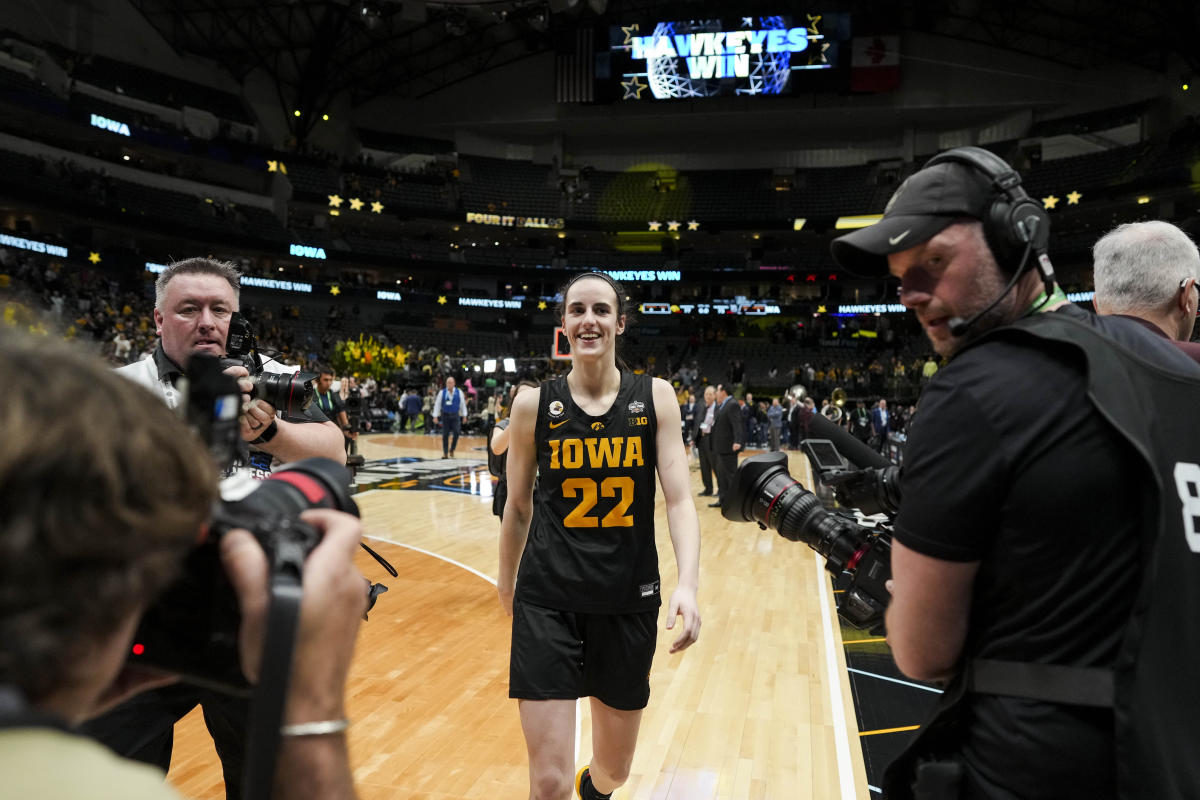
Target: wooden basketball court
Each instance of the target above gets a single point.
(759, 707)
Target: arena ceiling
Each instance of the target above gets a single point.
(316, 50)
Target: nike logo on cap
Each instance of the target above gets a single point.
(896, 239)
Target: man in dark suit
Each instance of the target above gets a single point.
(728, 437)
(702, 436)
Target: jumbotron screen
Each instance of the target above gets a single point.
(771, 55)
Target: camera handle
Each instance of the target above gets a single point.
(275, 671)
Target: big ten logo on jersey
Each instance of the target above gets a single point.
(596, 453)
(637, 407)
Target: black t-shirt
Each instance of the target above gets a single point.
(591, 542)
(1009, 464)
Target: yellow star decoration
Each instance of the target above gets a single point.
(377, 207)
(333, 212)
(442, 300)
(820, 309)
(672, 225)
(1073, 198)
(634, 88)
(272, 166)
(629, 30)
(655, 225)
(335, 290)
(356, 204)
(335, 201)
(94, 257)
(541, 305)
(693, 224)
(813, 20)
(1050, 202)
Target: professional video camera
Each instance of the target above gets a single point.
(193, 628)
(764, 492)
(290, 393)
(355, 407)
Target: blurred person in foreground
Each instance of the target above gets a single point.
(97, 521)
(1041, 563)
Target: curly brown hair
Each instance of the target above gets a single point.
(104, 491)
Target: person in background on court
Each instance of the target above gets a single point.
(1148, 272)
(330, 403)
(728, 438)
(881, 424)
(194, 303)
(774, 424)
(705, 417)
(1030, 519)
(497, 450)
(584, 601)
(97, 521)
(450, 407)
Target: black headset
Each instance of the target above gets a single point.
(1015, 225)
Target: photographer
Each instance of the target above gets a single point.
(1037, 496)
(330, 403)
(97, 521)
(194, 303)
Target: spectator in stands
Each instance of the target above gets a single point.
(75, 584)
(928, 369)
(1148, 271)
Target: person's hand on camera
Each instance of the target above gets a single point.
(333, 604)
(257, 415)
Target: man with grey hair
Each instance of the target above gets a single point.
(1148, 272)
(195, 300)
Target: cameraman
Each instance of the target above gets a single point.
(1032, 511)
(194, 302)
(97, 521)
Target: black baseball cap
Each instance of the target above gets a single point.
(928, 201)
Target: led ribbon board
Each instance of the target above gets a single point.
(712, 57)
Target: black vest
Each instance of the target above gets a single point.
(1149, 392)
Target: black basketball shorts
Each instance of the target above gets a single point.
(565, 655)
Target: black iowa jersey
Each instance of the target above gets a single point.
(591, 542)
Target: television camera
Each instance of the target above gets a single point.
(764, 492)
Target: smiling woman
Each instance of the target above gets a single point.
(585, 600)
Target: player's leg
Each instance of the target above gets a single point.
(549, 727)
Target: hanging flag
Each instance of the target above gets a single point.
(875, 64)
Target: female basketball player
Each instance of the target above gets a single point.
(585, 600)
(497, 451)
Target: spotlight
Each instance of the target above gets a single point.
(489, 365)
(510, 365)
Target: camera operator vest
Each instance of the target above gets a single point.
(1149, 394)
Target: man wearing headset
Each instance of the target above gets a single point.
(1036, 496)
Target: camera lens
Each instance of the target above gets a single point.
(288, 392)
(764, 492)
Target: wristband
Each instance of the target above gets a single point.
(268, 434)
(322, 728)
